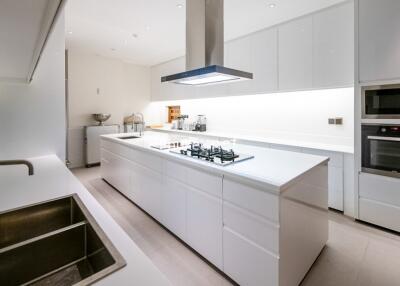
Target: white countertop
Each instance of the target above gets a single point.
(53, 180)
(273, 169)
(258, 139)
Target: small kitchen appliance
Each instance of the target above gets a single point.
(381, 102)
(213, 154)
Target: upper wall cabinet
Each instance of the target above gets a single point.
(256, 53)
(315, 51)
(295, 55)
(333, 47)
(379, 40)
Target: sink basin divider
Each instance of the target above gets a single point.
(40, 237)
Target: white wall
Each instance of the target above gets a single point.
(32, 116)
(301, 115)
(123, 89)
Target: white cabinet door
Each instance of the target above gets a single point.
(379, 36)
(335, 186)
(248, 264)
(146, 187)
(173, 206)
(204, 225)
(295, 54)
(264, 61)
(117, 171)
(150, 190)
(333, 46)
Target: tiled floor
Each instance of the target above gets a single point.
(356, 254)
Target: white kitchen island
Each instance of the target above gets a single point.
(262, 221)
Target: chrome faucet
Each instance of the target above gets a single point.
(141, 128)
(19, 162)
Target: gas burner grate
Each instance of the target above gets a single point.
(214, 154)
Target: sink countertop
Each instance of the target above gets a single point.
(53, 180)
(267, 140)
(271, 169)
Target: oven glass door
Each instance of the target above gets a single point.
(384, 153)
(384, 103)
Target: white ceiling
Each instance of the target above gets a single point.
(106, 27)
(20, 27)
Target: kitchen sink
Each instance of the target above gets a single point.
(128, 137)
(56, 242)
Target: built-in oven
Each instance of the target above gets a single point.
(381, 102)
(381, 149)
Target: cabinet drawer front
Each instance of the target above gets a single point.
(175, 170)
(335, 158)
(253, 227)
(147, 160)
(201, 180)
(384, 189)
(248, 264)
(209, 183)
(380, 214)
(143, 158)
(254, 200)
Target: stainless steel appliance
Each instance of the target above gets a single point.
(181, 121)
(205, 47)
(213, 154)
(381, 149)
(201, 124)
(381, 102)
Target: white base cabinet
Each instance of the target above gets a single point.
(204, 224)
(379, 200)
(247, 263)
(244, 230)
(173, 205)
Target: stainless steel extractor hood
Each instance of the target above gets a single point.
(205, 47)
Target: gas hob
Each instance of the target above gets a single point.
(213, 154)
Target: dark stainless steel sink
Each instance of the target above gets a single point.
(54, 243)
(128, 137)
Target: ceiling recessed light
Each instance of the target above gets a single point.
(147, 28)
(70, 32)
(179, 6)
(272, 5)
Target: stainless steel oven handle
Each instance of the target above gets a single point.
(384, 138)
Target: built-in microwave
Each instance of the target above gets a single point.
(381, 102)
(381, 149)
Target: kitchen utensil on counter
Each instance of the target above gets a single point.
(101, 117)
